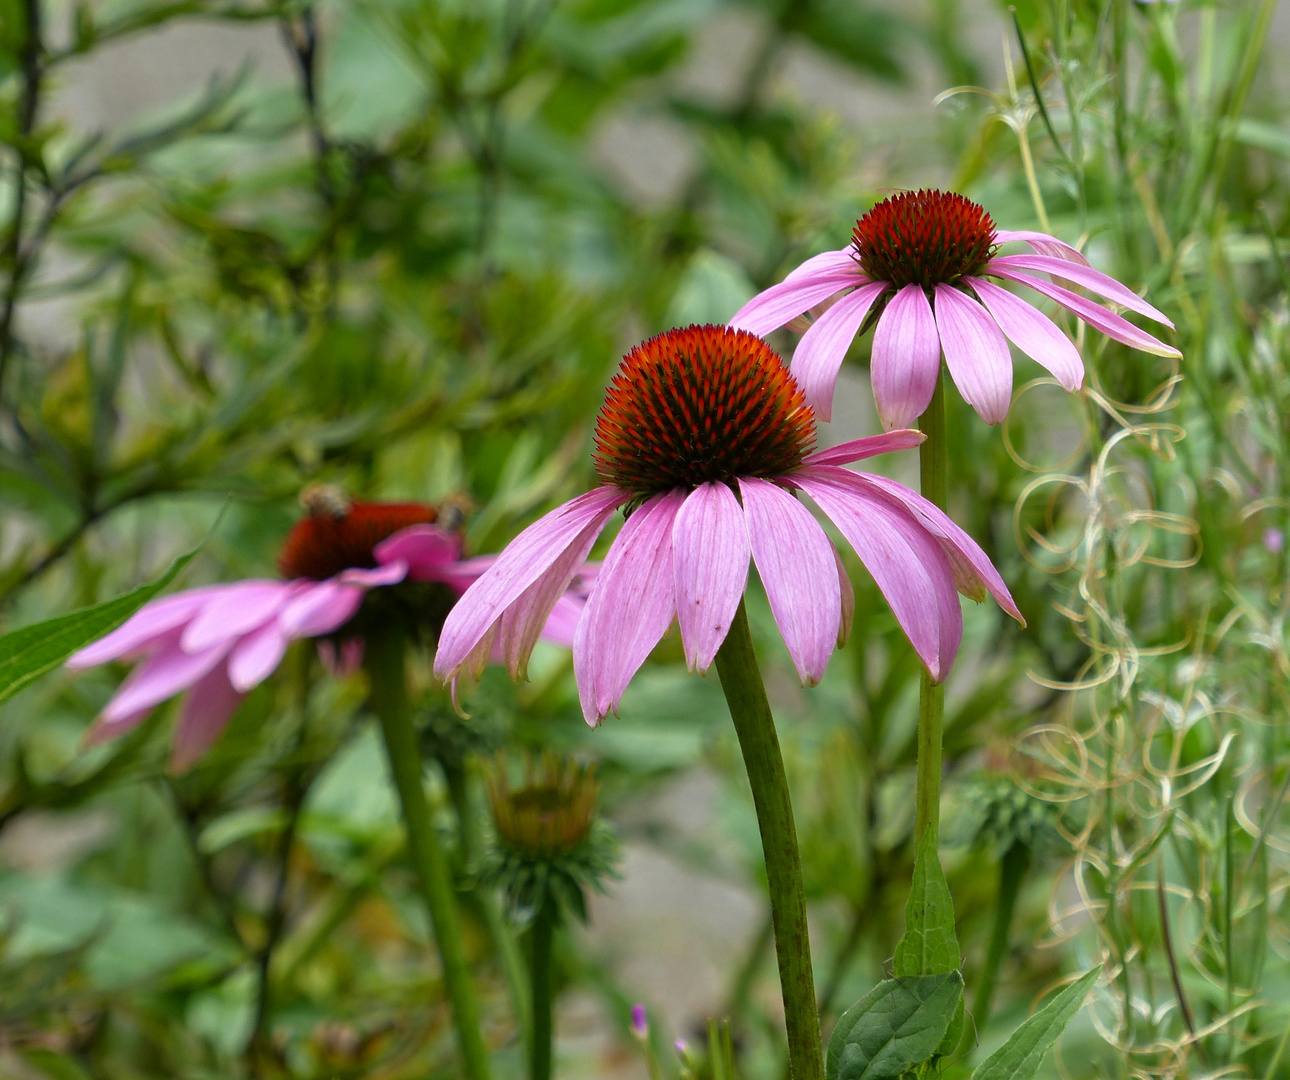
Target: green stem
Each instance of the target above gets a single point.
(750, 710)
(540, 973)
(1012, 871)
(933, 466)
(485, 900)
(389, 700)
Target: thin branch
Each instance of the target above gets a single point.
(32, 73)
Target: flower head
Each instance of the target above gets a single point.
(706, 439)
(219, 642)
(551, 847)
(917, 269)
(550, 814)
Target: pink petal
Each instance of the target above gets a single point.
(235, 611)
(161, 677)
(1032, 332)
(531, 573)
(869, 446)
(1042, 243)
(630, 608)
(797, 566)
(906, 358)
(1098, 317)
(711, 551)
(976, 353)
(826, 263)
(848, 599)
(254, 658)
(319, 609)
(771, 309)
(145, 627)
(562, 623)
(211, 704)
(1092, 279)
(427, 549)
(391, 573)
(462, 575)
(974, 573)
(906, 563)
(819, 355)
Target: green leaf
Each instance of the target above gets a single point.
(929, 946)
(897, 1025)
(1020, 1056)
(31, 651)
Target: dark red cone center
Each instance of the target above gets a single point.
(924, 238)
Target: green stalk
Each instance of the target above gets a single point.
(485, 900)
(1012, 871)
(750, 710)
(540, 973)
(389, 699)
(933, 470)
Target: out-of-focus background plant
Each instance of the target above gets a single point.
(398, 246)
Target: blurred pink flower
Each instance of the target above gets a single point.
(219, 642)
(705, 436)
(915, 268)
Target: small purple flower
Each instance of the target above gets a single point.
(1274, 540)
(640, 1022)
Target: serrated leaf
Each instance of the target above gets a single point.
(897, 1025)
(929, 946)
(1019, 1058)
(32, 651)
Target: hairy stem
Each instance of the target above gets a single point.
(933, 465)
(750, 710)
(389, 700)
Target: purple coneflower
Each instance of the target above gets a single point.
(219, 642)
(917, 267)
(705, 435)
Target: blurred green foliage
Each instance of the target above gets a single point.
(407, 264)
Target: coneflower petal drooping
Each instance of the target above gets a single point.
(918, 261)
(219, 642)
(708, 438)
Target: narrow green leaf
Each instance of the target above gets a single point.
(31, 651)
(896, 1026)
(1019, 1058)
(929, 946)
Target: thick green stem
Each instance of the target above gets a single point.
(389, 700)
(540, 974)
(933, 470)
(750, 710)
(1012, 871)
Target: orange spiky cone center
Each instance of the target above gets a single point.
(698, 404)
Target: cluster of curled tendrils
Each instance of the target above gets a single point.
(1176, 848)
